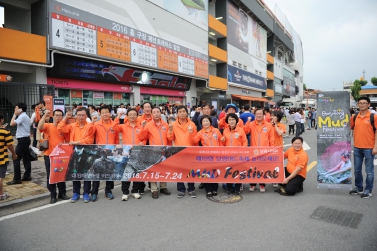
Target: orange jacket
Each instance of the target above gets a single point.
(76, 133)
(181, 134)
(211, 138)
(156, 134)
(261, 135)
(54, 137)
(223, 124)
(139, 119)
(131, 134)
(103, 135)
(236, 137)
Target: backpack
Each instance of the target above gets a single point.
(371, 119)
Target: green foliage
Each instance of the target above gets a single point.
(356, 88)
(374, 81)
(304, 86)
(362, 82)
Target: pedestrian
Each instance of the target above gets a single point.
(206, 110)
(365, 147)
(310, 117)
(298, 122)
(80, 133)
(6, 142)
(54, 137)
(314, 118)
(302, 121)
(32, 122)
(208, 136)
(233, 135)
(295, 171)
(122, 111)
(262, 134)
(244, 116)
(231, 108)
(179, 133)
(93, 113)
(291, 122)
(155, 132)
(22, 121)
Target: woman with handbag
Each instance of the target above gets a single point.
(51, 138)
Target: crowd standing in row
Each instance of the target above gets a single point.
(158, 125)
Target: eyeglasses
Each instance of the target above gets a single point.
(362, 103)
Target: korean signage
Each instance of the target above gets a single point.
(241, 77)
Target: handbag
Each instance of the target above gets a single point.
(43, 143)
(32, 155)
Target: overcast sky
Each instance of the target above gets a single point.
(339, 39)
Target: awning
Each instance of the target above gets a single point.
(249, 98)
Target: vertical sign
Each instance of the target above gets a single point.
(334, 164)
(59, 104)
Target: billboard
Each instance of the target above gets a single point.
(245, 33)
(289, 87)
(193, 11)
(245, 78)
(129, 32)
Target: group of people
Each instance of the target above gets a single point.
(249, 129)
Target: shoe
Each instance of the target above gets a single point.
(214, 193)
(109, 196)
(237, 192)
(252, 188)
(86, 197)
(356, 191)
(53, 200)
(141, 192)
(192, 194)
(282, 190)
(275, 185)
(201, 186)
(165, 191)
(94, 197)
(366, 194)
(277, 190)
(4, 196)
(14, 182)
(155, 195)
(241, 188)
(209, 195)
(63, 197)
(125, 197)
(262, 189)
(136, 195)
(26, 178)
(75, 197)
(229, 192)
(180, 195)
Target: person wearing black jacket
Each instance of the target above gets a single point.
(206, 111)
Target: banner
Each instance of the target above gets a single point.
(167, 164)
(334, 139)
(241, 77)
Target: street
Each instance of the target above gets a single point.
(261, 221)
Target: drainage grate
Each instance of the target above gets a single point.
(337, 217)
(223, 197)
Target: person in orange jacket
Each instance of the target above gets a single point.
(155, 132)
(209, 136)
(233, 135)
(131, 136)
(230, 108)
(80, 133)
(279, 130)
(262, 134)
(105, 131)
(179, 134)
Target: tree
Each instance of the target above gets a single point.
(304, 86)
(356, 88)
(362, 82)
(374, 81)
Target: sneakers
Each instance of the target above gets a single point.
(109, 196)
(180, 195)
(252, 188)
(4, 196)
(262, 189)
(366, 194)
(125, 197)
(356, 191)
(86, 197)
(136, 195)
(275, 185)
(94, 197)
(192, 194)
(75, 197)
(201, 186)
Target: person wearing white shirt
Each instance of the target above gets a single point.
(122, 111)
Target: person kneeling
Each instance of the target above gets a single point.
(295, 171)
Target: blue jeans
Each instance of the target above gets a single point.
(310, 123)
(359, 154)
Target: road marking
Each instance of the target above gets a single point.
(311, 165)
(305, 146)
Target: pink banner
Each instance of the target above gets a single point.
(87, 85)
(156, 91)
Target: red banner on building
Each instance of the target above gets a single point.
(167, 164)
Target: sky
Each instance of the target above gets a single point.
(339, 39)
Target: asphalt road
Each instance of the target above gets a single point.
(259, 222)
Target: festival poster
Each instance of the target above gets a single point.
(334, 164)
(167, 164)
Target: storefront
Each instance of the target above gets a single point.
(159, 96)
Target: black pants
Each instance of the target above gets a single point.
(35, 142)
(260, 184)
(121, 121)
(313, 123)
(22, 151)
(298, 128)
(135, 187)
(52, 187)
(211, 187)
(181, 187)
(291, 128)
(237, 186)
(77, 186)
(108, 187)
(295, 185)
